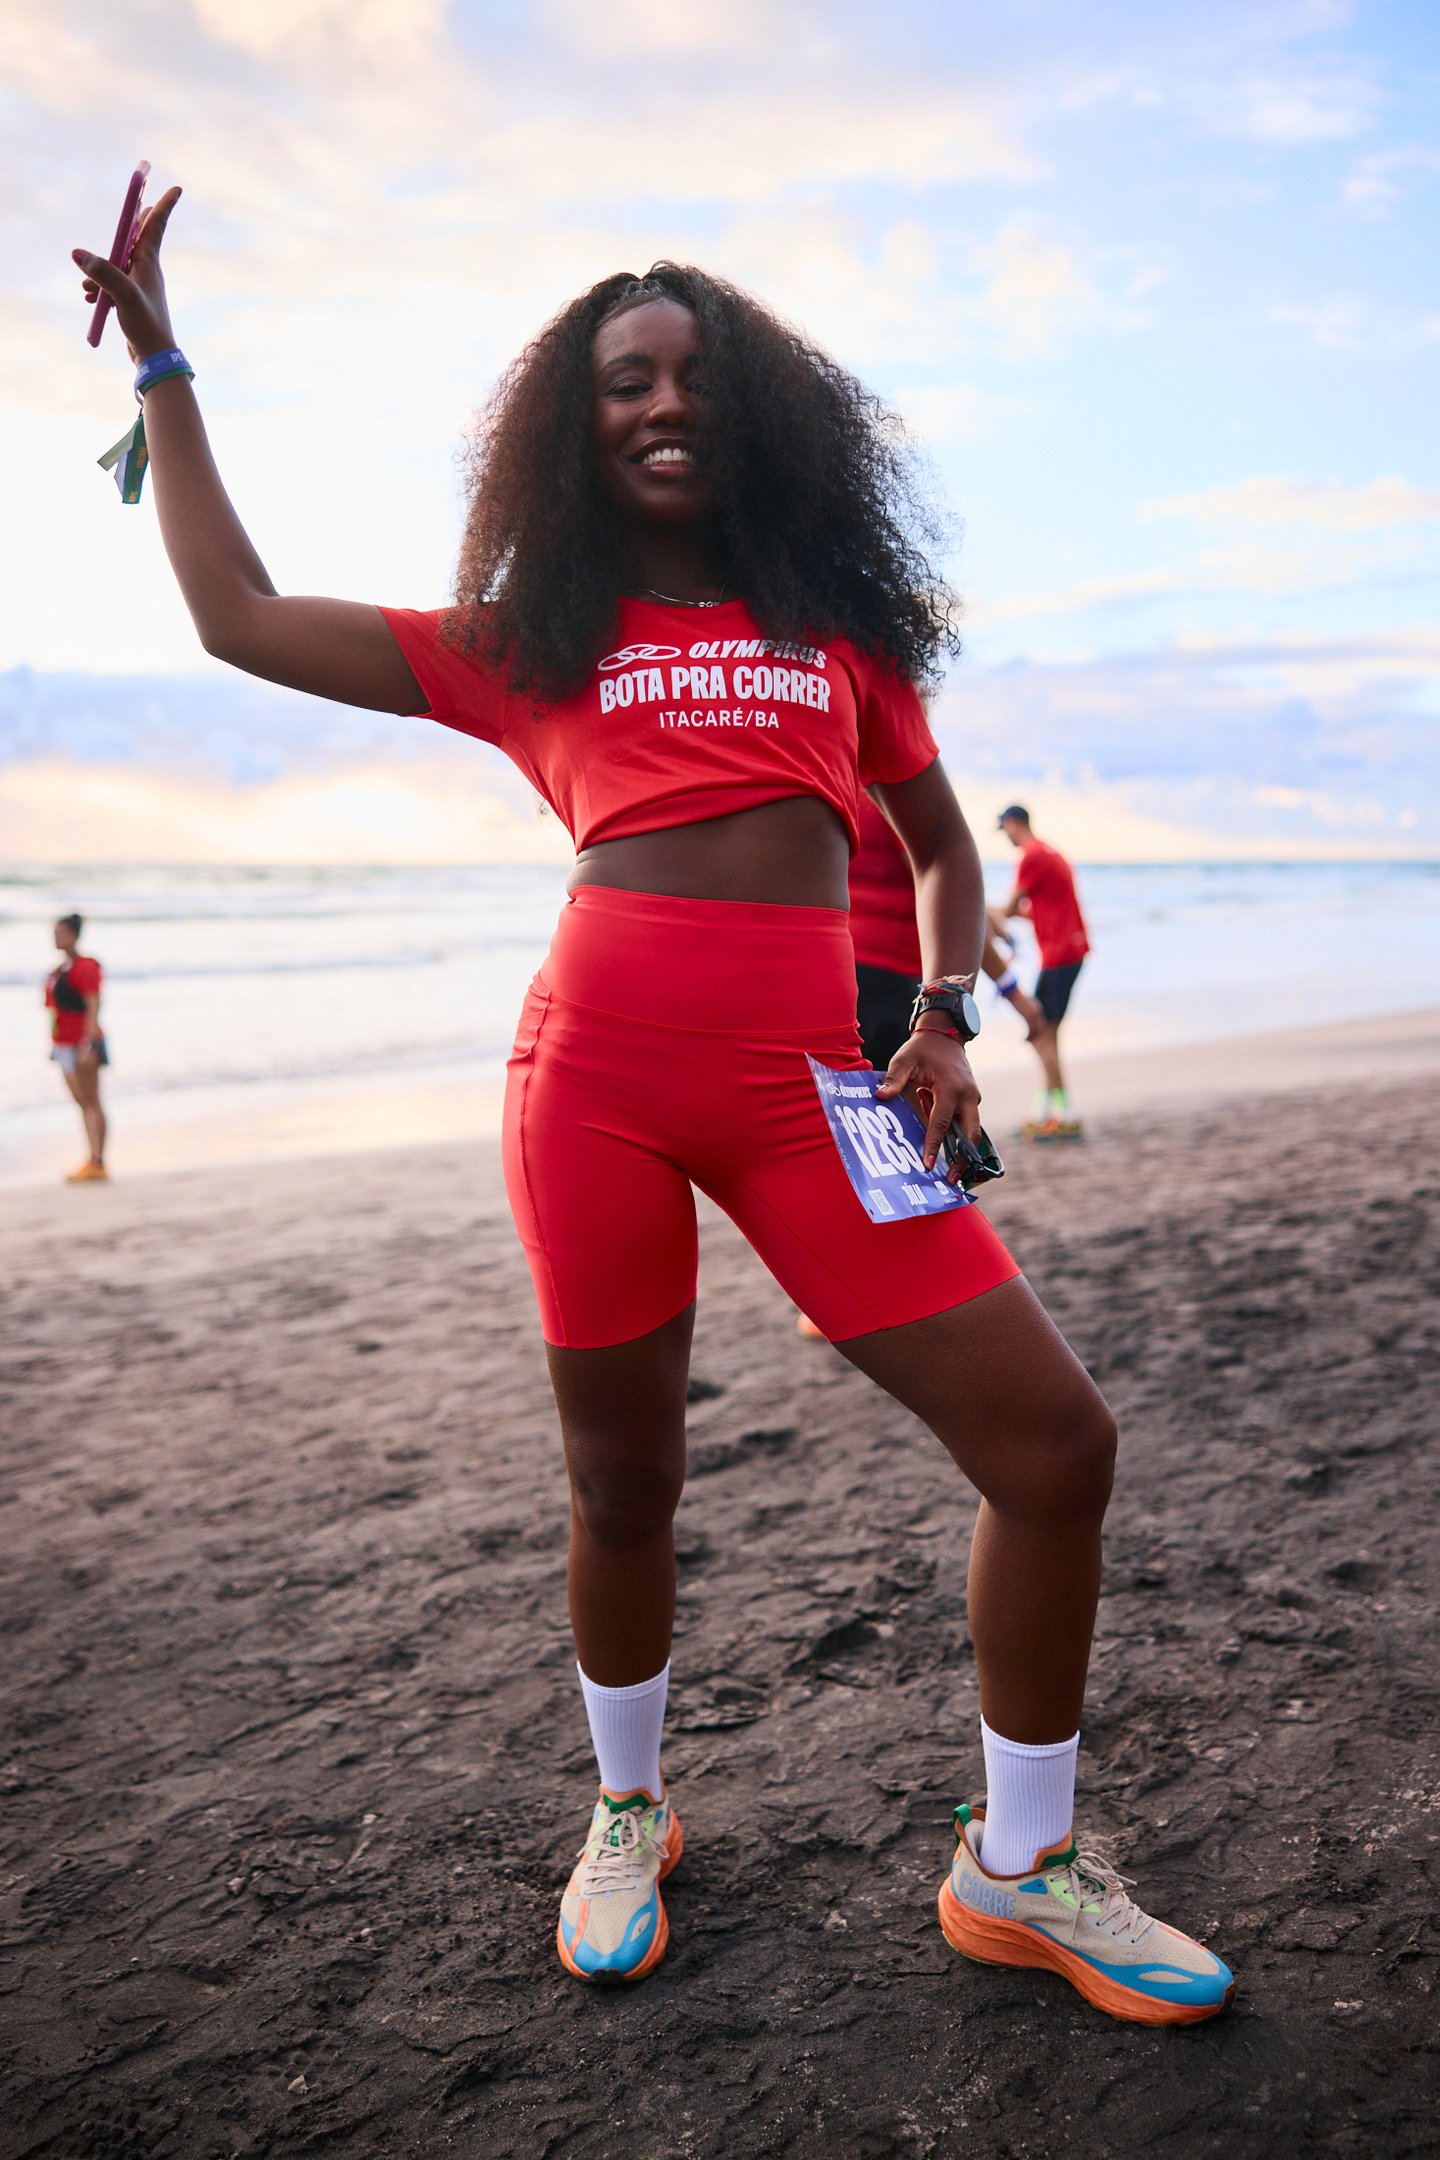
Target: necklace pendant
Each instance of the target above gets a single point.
(671, 601)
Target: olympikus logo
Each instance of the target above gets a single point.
(629, 654)
(755, 649)
(984, 1896)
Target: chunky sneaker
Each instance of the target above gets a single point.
(1070, 1914)
(612, 1923)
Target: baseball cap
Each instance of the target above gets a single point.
(1015, 810)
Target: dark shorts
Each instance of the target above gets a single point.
(883, 1012)
(1052, 990)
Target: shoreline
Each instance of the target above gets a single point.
(361, 1119)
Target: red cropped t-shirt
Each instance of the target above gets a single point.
(692, 714)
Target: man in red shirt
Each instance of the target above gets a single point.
(1045, 894)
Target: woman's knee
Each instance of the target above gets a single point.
(621, 1505)
(1091, 1450)
(1054, 1460)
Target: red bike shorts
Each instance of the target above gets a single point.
(663, 1045)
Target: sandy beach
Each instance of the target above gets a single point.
(294, 1762)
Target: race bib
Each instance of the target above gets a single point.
(880, 1147)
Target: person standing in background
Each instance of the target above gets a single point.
(77, 1045)
(888, 966)
(883, 932)
(1045, 894)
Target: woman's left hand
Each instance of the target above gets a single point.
(933, 1072)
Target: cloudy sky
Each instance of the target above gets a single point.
(1153, 285)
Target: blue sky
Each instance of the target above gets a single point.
(1153, 286)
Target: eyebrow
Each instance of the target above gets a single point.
(641, 359)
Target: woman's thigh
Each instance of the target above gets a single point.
(998, 1384)
(605, 1214)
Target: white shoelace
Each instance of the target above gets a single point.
(619, 1863)
(1116, 1912)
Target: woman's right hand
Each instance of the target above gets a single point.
(139, 294)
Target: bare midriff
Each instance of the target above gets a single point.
(793, 853)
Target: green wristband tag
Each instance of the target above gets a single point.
(127, 460)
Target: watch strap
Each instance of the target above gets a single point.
(941, 997)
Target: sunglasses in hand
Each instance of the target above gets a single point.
(982, 1164)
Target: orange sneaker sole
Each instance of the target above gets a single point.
(1010, 1942)
(674, 1847)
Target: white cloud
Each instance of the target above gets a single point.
(1291, 110)
(1034, 289)
(1342, 537)
(1322, 742)
(1267, 499)
(322, 32)
(1355, 323)
(1373, 185)
(946, 415)
(907, 292)
(1084, 596)
(677, 28)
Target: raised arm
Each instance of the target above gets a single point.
(338, 649)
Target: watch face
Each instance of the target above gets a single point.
(971, 1012)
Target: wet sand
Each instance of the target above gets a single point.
(294, 1763)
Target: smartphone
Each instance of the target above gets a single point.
(124, 247)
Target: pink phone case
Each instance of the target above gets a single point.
(124, 247)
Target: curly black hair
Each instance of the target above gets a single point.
(822, 521)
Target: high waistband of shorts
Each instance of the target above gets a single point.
(670, 910)
(706, 966)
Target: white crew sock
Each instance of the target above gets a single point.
(625, 1725)
(1029, 1800)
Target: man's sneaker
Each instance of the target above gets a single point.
(612, 1923)
(1069, 1913)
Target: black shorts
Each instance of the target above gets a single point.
(883, 1011)
(1052, 990)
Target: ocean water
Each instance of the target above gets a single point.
(255, 1011)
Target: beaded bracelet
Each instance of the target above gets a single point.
(159, 367)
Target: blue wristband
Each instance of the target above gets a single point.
(159, 366)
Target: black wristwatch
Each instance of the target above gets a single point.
(951, 998)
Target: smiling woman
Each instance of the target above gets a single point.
(676, 401)
(666, 458)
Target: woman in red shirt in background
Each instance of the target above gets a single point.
(693, 607)
(77, 1041)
